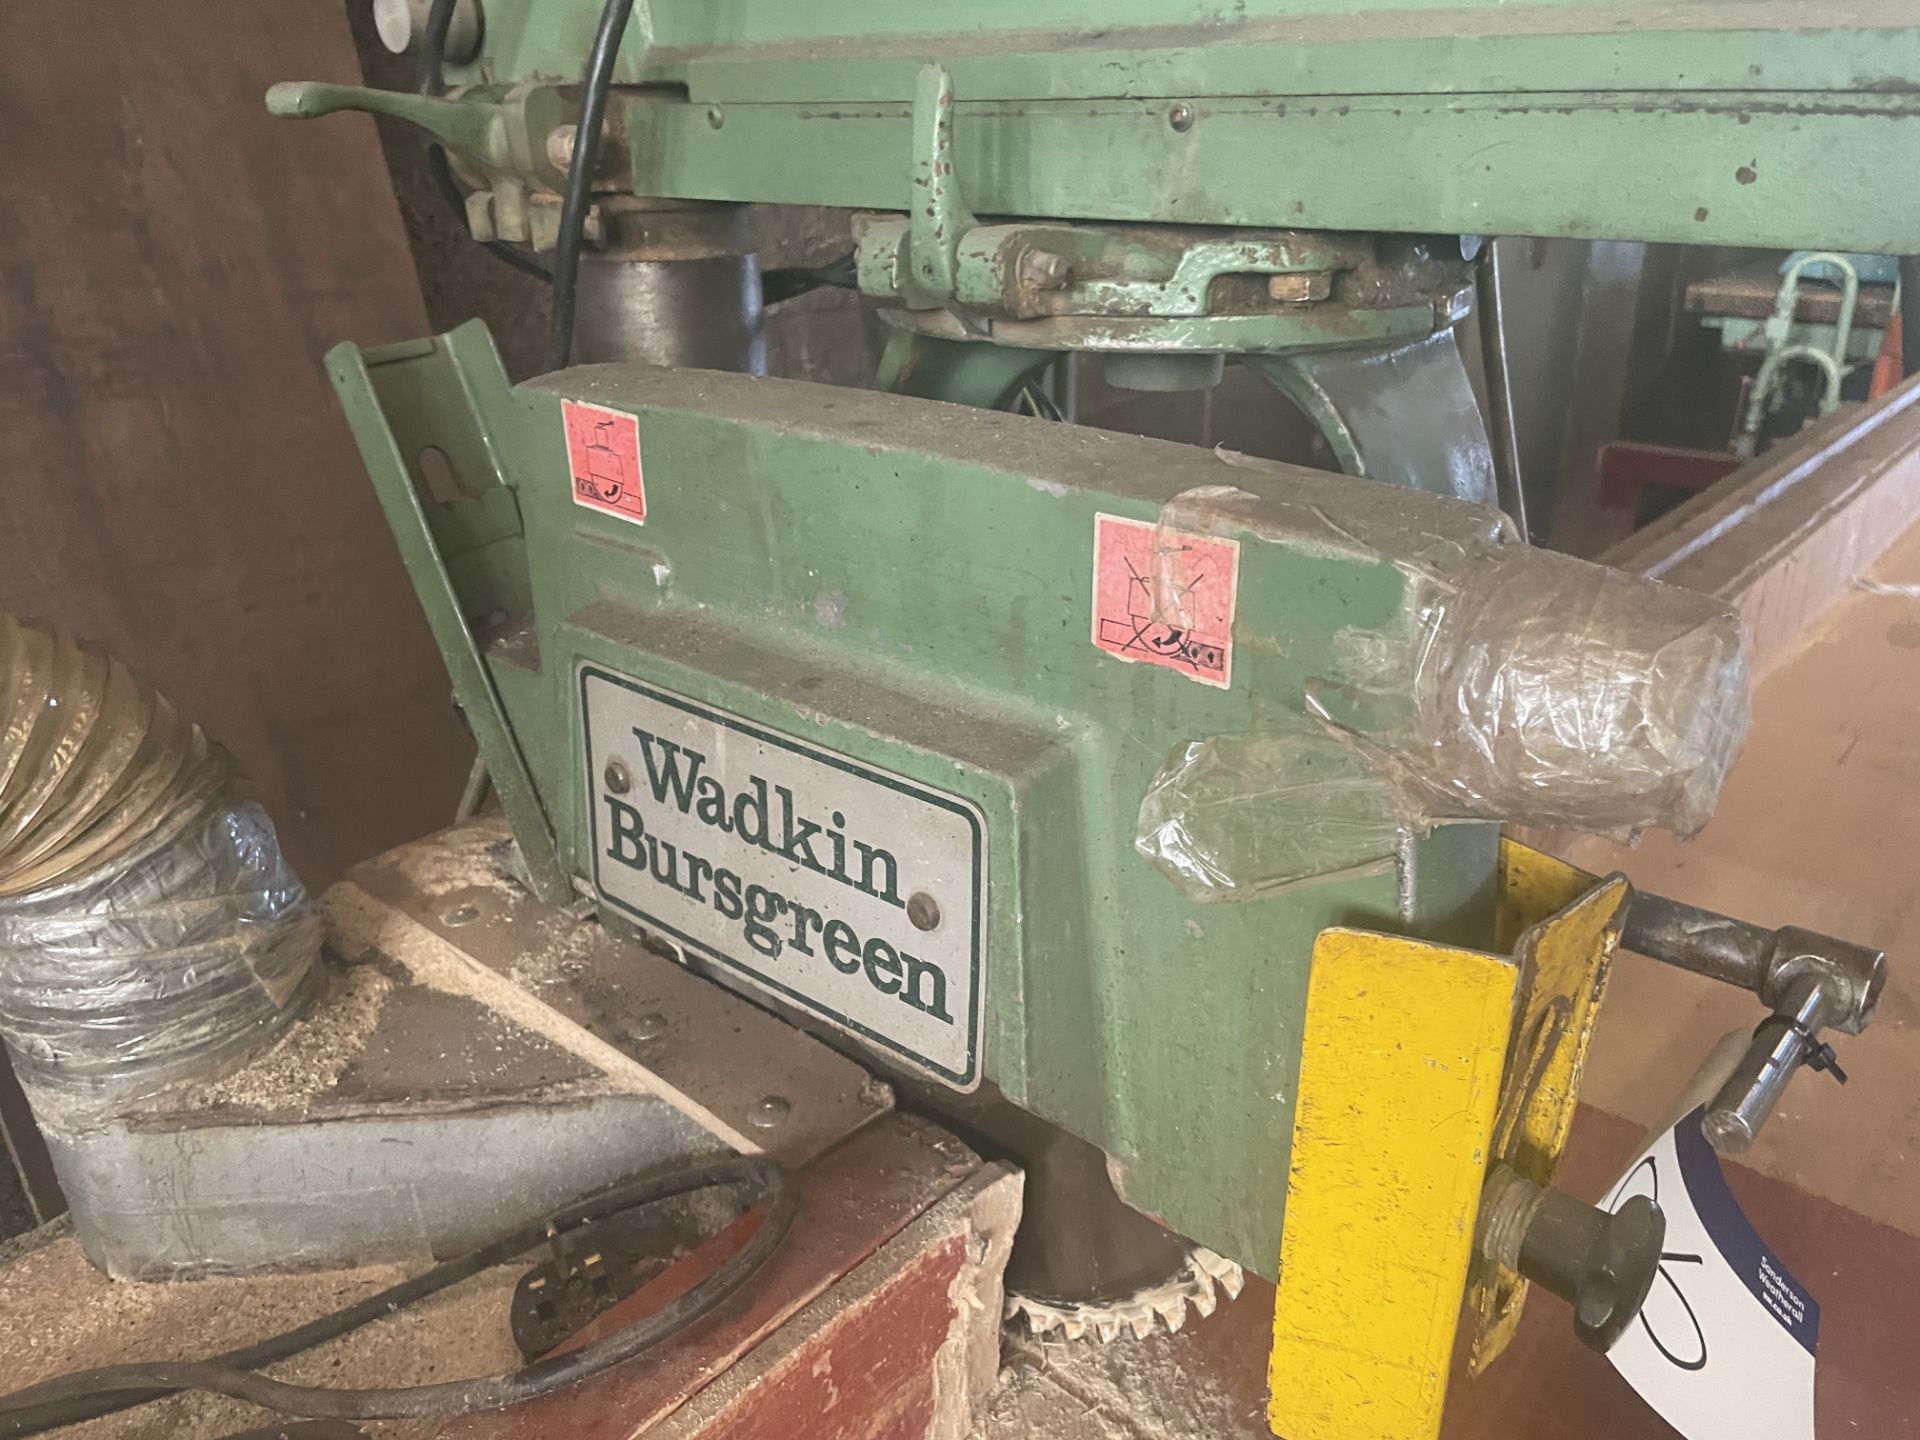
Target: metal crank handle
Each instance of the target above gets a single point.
(1810, 982)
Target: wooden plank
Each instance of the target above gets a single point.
(1785, 536)
(907, 1347)
(180, 485)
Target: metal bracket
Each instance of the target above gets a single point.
(371, 385)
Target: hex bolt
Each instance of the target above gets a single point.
(1602, 1264)
(1180, 117)
(650, 1026)
(1044, 270)
(768, 1112)
(923, 911)
(560, 142)
(619, 779)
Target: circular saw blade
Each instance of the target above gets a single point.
(1199, 1284)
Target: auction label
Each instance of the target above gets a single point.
(856, 894)
(1165, 597)
(1725, 1344)
(603, 455)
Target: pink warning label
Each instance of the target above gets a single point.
(1165, 597)
(603, 452)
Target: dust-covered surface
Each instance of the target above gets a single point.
(452, 863)
(58, 1314)
(1208, 1382)
(309, 1057)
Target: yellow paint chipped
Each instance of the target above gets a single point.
(1400, 1075)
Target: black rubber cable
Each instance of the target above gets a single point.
(428, 80)
(594, 86)
(87, 1394)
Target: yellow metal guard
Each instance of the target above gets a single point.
(1422, 1065)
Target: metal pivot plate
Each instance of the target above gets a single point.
(854, 893)
(1564, 927)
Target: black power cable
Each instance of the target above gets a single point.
(429, 81)
(87, 1394)
(594, 86)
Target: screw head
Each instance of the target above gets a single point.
(716, 117)
(619, 779)
(1180, 117)
(460, 915)
(768, 1112)
(923, 911)
(650, 1026)
(560, 142)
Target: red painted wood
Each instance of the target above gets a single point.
(853, 1199)
(867, 1375)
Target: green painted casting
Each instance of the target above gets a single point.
(1745, 122)
(908, 584)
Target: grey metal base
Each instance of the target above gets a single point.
(477, 1061)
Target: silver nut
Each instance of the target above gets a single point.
(560, 141)
(1044, 270)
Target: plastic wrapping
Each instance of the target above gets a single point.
(1239, 817)
(162, 964)
(150, 928)
(1517, 686)
(1571, 695)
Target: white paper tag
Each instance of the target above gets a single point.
(1725, 1343)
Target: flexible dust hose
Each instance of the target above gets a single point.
(150, 929)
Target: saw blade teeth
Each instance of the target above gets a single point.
(1206, 1301)
(1173, 1313)
(1204, 1282)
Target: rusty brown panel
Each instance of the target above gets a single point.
(852, 1200)
(179, 483)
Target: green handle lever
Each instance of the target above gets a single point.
(474, 129)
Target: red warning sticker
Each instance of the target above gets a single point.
(603, 451)
(1165, 597)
